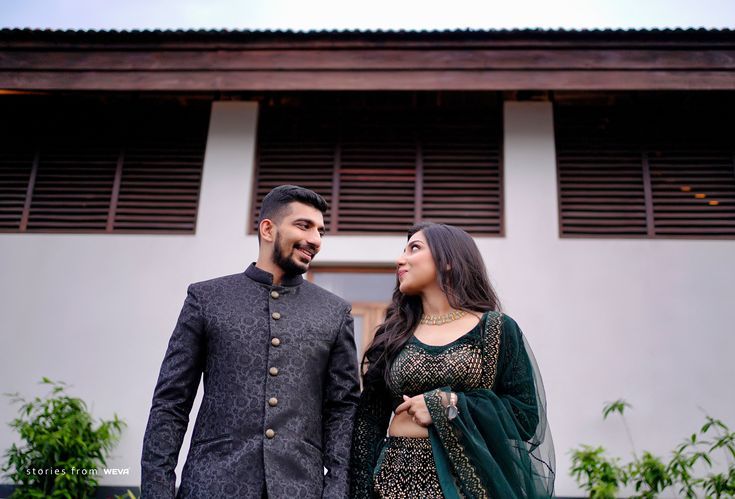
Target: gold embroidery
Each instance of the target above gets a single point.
(467, 473)
(466, 365)
(491, 348)
(417, 371)
(407, 470)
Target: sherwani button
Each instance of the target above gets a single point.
(273, 371)
(275, 295)
(276, 315)
(273, 401)
(275, 342)
(270, 433)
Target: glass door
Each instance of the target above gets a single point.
(368, 289)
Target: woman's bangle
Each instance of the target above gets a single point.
(452, 411)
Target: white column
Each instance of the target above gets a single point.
(530, 171)
(531, 222)
(224, 203)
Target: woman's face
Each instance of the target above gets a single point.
(415, 267)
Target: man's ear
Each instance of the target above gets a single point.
(267, 230)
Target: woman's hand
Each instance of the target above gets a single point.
(416, 407)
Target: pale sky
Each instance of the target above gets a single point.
(373, 14)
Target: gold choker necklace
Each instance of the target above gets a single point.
(438, 320)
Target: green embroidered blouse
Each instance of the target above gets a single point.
(498, 446)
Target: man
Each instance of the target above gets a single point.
(280, 374)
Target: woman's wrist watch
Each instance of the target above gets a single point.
(452, 410)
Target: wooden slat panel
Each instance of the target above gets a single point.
(286, 158)
(79, 142)
(406, 59)
(16, 160)
(163, 156)
(290, 152)
(378, 160)
(462, 173)
(600, 174)
(76, 170)
(373, 153)
(369, 80)
(679, 176)
(683, 59)
(678, 154)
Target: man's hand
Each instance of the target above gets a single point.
(416, 407)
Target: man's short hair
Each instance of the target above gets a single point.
(276, 202)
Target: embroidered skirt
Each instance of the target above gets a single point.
(406, 469)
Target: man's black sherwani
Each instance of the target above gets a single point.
(280, 391)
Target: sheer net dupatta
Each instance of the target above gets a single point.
(499, 444)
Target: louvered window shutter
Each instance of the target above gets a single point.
(384, 170)
(77, 165)
(693, 190)
(77, 161)
(600, 174)
(17, 169)
(294, 151)
(376, 174)
(462, 182)
(644, 170)
(162, 173)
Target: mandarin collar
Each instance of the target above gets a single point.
(260, 275)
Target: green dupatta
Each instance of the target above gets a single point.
(499, 445)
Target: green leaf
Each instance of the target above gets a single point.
(599, 475)
(56, 431)
(615, 406)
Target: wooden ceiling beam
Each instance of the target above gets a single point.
(489, 80)
(221, 61)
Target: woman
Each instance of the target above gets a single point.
(469, 407)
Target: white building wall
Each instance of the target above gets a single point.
(647, 320)
(97, 310)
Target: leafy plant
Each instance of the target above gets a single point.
(649, 475)
(599, 475)
(698, 450)
(602, 476)
(62, 448)
(619, 406)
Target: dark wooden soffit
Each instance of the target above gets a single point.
(443, 60)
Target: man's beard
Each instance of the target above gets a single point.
(286, 262)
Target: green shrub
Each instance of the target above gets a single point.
(61, 445)
(602, 476)
(599, 475)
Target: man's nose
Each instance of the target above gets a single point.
(314, 238)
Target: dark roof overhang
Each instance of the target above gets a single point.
(221, 60)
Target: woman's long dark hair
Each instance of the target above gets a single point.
(462, 278)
